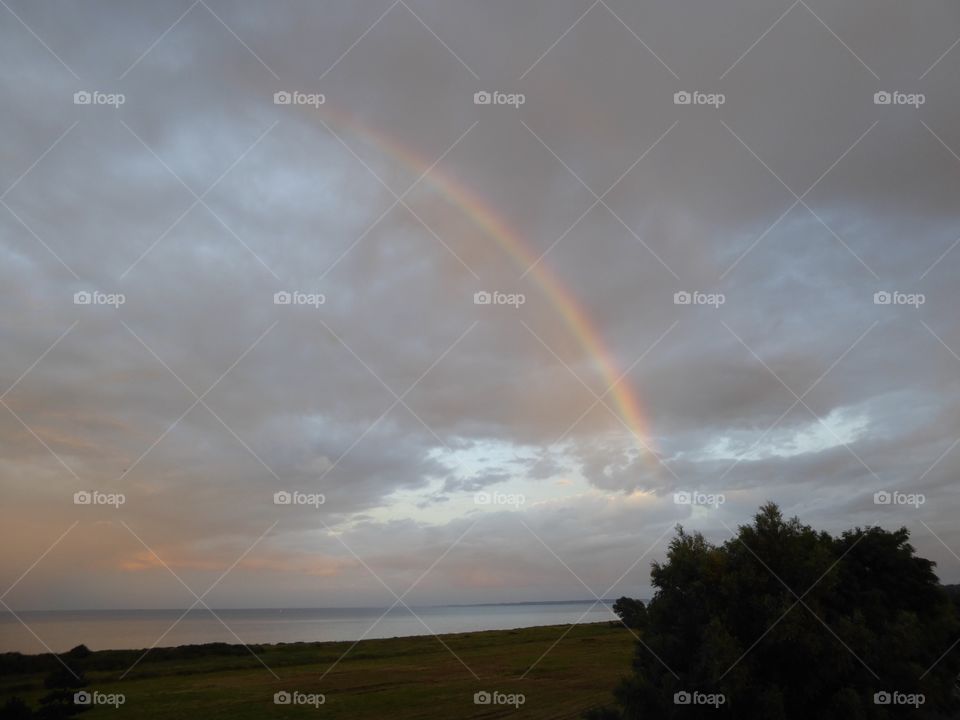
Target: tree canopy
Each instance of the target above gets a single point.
(784, 622)
(632, 613)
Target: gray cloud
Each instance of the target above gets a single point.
(493, 397)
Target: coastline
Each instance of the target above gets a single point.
(130, 629)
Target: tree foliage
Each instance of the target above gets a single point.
(632, 613)
(786, 622)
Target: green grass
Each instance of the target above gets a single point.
(398, 678)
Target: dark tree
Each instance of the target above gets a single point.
(631, 612)
(788, 623)
(79, 652)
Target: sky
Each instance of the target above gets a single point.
(694, 307)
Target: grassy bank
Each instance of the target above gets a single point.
(399, 678)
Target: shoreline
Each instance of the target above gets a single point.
(228, 648)
(128, 630)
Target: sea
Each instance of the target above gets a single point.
(58, 631)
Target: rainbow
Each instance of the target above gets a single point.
(493, 225)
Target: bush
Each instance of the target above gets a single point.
(632, 613)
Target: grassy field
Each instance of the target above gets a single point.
(399, 678)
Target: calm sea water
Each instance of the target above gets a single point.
(130, 629)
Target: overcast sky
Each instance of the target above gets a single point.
(782, 198)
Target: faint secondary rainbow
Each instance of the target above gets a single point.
(487, 219)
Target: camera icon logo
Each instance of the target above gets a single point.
(882, 498)
(682, 698)
(882, 98)
(482, 98)
(882, 698)
(82, 497)
(82, 298)
(682, 98)
(682, 498)
(482, 698)
(282, 697)
(682, 298)
(482, 498)
(282, 498)
(82, 97)
(282, 298)
(882, 298)
(282, 98)
(482, 298)
(82, 698)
